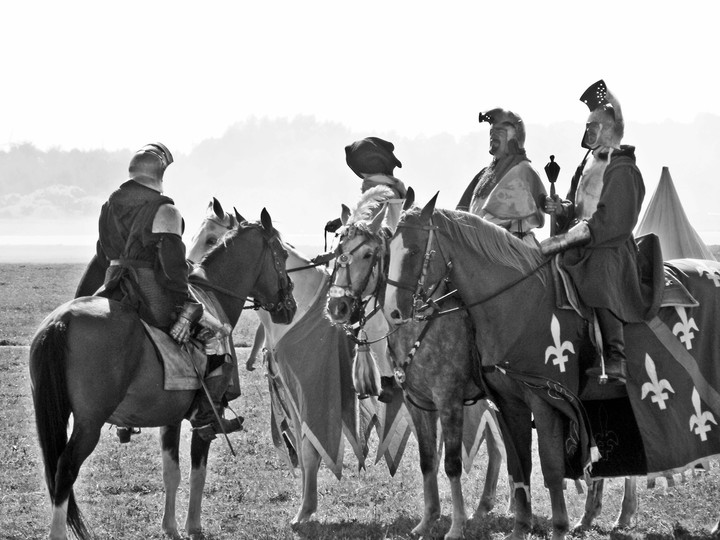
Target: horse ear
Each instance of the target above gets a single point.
(377, 221)
(239, 218)
(218, 209)
(266, 220)
(409, 198)
(344, 214)
(429, 208)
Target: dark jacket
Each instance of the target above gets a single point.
(605, 271)
(144, 269)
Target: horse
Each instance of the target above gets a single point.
(433, 360)
(533, 352)
(91, 357)
(307, 430)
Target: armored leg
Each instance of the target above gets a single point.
(613, 338)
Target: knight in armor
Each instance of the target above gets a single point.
(509, 191)
(596, 221)
(141, 249)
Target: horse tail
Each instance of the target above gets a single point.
(52, 410)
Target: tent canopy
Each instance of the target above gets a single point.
(666, 218)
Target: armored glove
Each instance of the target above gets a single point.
(190, 314)
(579, 235)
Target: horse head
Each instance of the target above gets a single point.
(413, 264)
(360, 258)
(250, 261)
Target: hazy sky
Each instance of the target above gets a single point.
(119, 74)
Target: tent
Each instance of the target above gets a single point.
(666, 218)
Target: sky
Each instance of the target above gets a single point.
(114, 75)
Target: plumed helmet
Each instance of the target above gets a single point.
(498, 117)
(150, 161)
(371, 155)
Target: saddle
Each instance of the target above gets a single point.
(660, 286)
(183, 364)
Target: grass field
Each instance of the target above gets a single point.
(255, 495)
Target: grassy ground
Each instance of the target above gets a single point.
(255, 495)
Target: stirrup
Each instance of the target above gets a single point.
(125, 432)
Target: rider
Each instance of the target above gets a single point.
(140, 246)
(599, 215)
(508, 191)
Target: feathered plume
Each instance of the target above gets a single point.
(368, 202)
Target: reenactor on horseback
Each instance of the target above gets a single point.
(596, 221)
(140, 246)
(509, 190)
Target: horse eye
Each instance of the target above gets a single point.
(367, 255)
(211, 241)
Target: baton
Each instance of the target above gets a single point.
(552, 170)
(212, 406)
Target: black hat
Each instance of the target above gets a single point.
(595, 96)
(371, 155)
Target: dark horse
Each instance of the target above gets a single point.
(91, 358)
(531, 352)
(437, 370)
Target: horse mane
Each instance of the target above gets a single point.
(228, 237)
(370, 201)
(492, 241)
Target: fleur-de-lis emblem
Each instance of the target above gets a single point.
(558, 350)
(655, 387)
(700, 419)
(683, 329)
(713, 274)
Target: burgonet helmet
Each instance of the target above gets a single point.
(371, 155)
(150, 162)
(498, 117)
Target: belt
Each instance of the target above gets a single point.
(134, 263)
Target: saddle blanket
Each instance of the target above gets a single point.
(670, 420)
(178, 361)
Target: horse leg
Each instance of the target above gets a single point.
(199, 450)
(629, 504)
(84, 439)
(169, 445)
(593, 505)
(426, 428)
(551, 446)
(516, 425)
(487, 500)
(309, 466)
(451, 420)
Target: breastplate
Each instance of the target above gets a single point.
(589, 188)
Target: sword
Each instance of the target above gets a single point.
(212, 406)
(552, 170)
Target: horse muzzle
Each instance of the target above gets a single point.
(339, 309)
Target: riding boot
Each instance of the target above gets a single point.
(613, 340)
(203, 418)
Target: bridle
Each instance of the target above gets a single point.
(356, 291)
(422, 296)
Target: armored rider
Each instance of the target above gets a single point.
(140, 246)
(509, 191)
(599, 215)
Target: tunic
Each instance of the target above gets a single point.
(605, 271)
